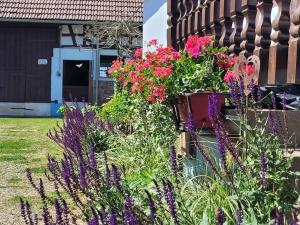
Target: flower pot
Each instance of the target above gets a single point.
(195, 104)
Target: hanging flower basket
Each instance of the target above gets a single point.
(196, 105)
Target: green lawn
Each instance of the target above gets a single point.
(23, 144)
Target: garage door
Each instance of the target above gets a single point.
(25, 62)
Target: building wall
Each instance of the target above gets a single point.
(155, 21)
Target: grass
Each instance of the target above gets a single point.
(23, 144)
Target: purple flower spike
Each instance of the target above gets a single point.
(235, 97)
(82, 176)
(129, 216)
(113, 218)
(240, 217)
(173, 160)
(151, 206)
(278, 217)
(94, 221)
(58, 210)
(213, 107)
(171, 200)
(190, 126)
(117, 178)
(263, 169)
(220, 216)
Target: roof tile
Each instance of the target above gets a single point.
(77, 10)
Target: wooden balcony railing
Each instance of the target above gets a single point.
(269, 29)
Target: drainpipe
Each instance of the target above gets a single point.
(97, 71)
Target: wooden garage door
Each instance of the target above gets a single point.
(22, 79)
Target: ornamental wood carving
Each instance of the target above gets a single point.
(206, 17)
(172, 20)
(278, 55)
(237, 20)
(214, 22)
(226, 22)
(198, 18)
(263, 29)
(186, 9)
(248, 32)
(294, 44)
(179, 38)
(191, 17)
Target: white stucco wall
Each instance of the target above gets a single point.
(155, 21)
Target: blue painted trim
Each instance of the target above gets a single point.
(54, 109)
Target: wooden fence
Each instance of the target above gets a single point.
(269, 29)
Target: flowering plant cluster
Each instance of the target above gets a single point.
(146, 76)
(164, 72)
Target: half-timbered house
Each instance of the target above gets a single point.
(45, 56)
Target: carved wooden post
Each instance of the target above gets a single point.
(278, 55)
(198, 18)
(205, 17)
(191, 17)
(226, 22)
(184, 30)
(248, 32)
(172, 20)
(215, 25)
(294, 45)
(262, 40)
(237, 21)
(179, 41)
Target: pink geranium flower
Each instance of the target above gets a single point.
(231, 76)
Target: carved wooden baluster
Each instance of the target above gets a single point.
(172, 20)
(226, 22)
(198, 18)
(294, 44)
(248, 32)
(185, 20)
(205, 17)
(278, 55)
(191, 17)
(179, 41)
(262, 40)
(237, 24)
(215, 25)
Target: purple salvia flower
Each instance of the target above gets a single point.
(213, 107)
(103, 215)
(92, 158)
(66, 172)
(263, 169)
(235, 98)
(82, 175)
(283, 99)
(113, 218)
(129, 216)
(159, 195)
(58, 211)
(94, 220)
(151, 206)
(278, 217)
(173, 160)
(171, 200)
(274, 124)
(240, 217)
(190, 126)
(220, 217)
(109, 125)
(117, 179)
